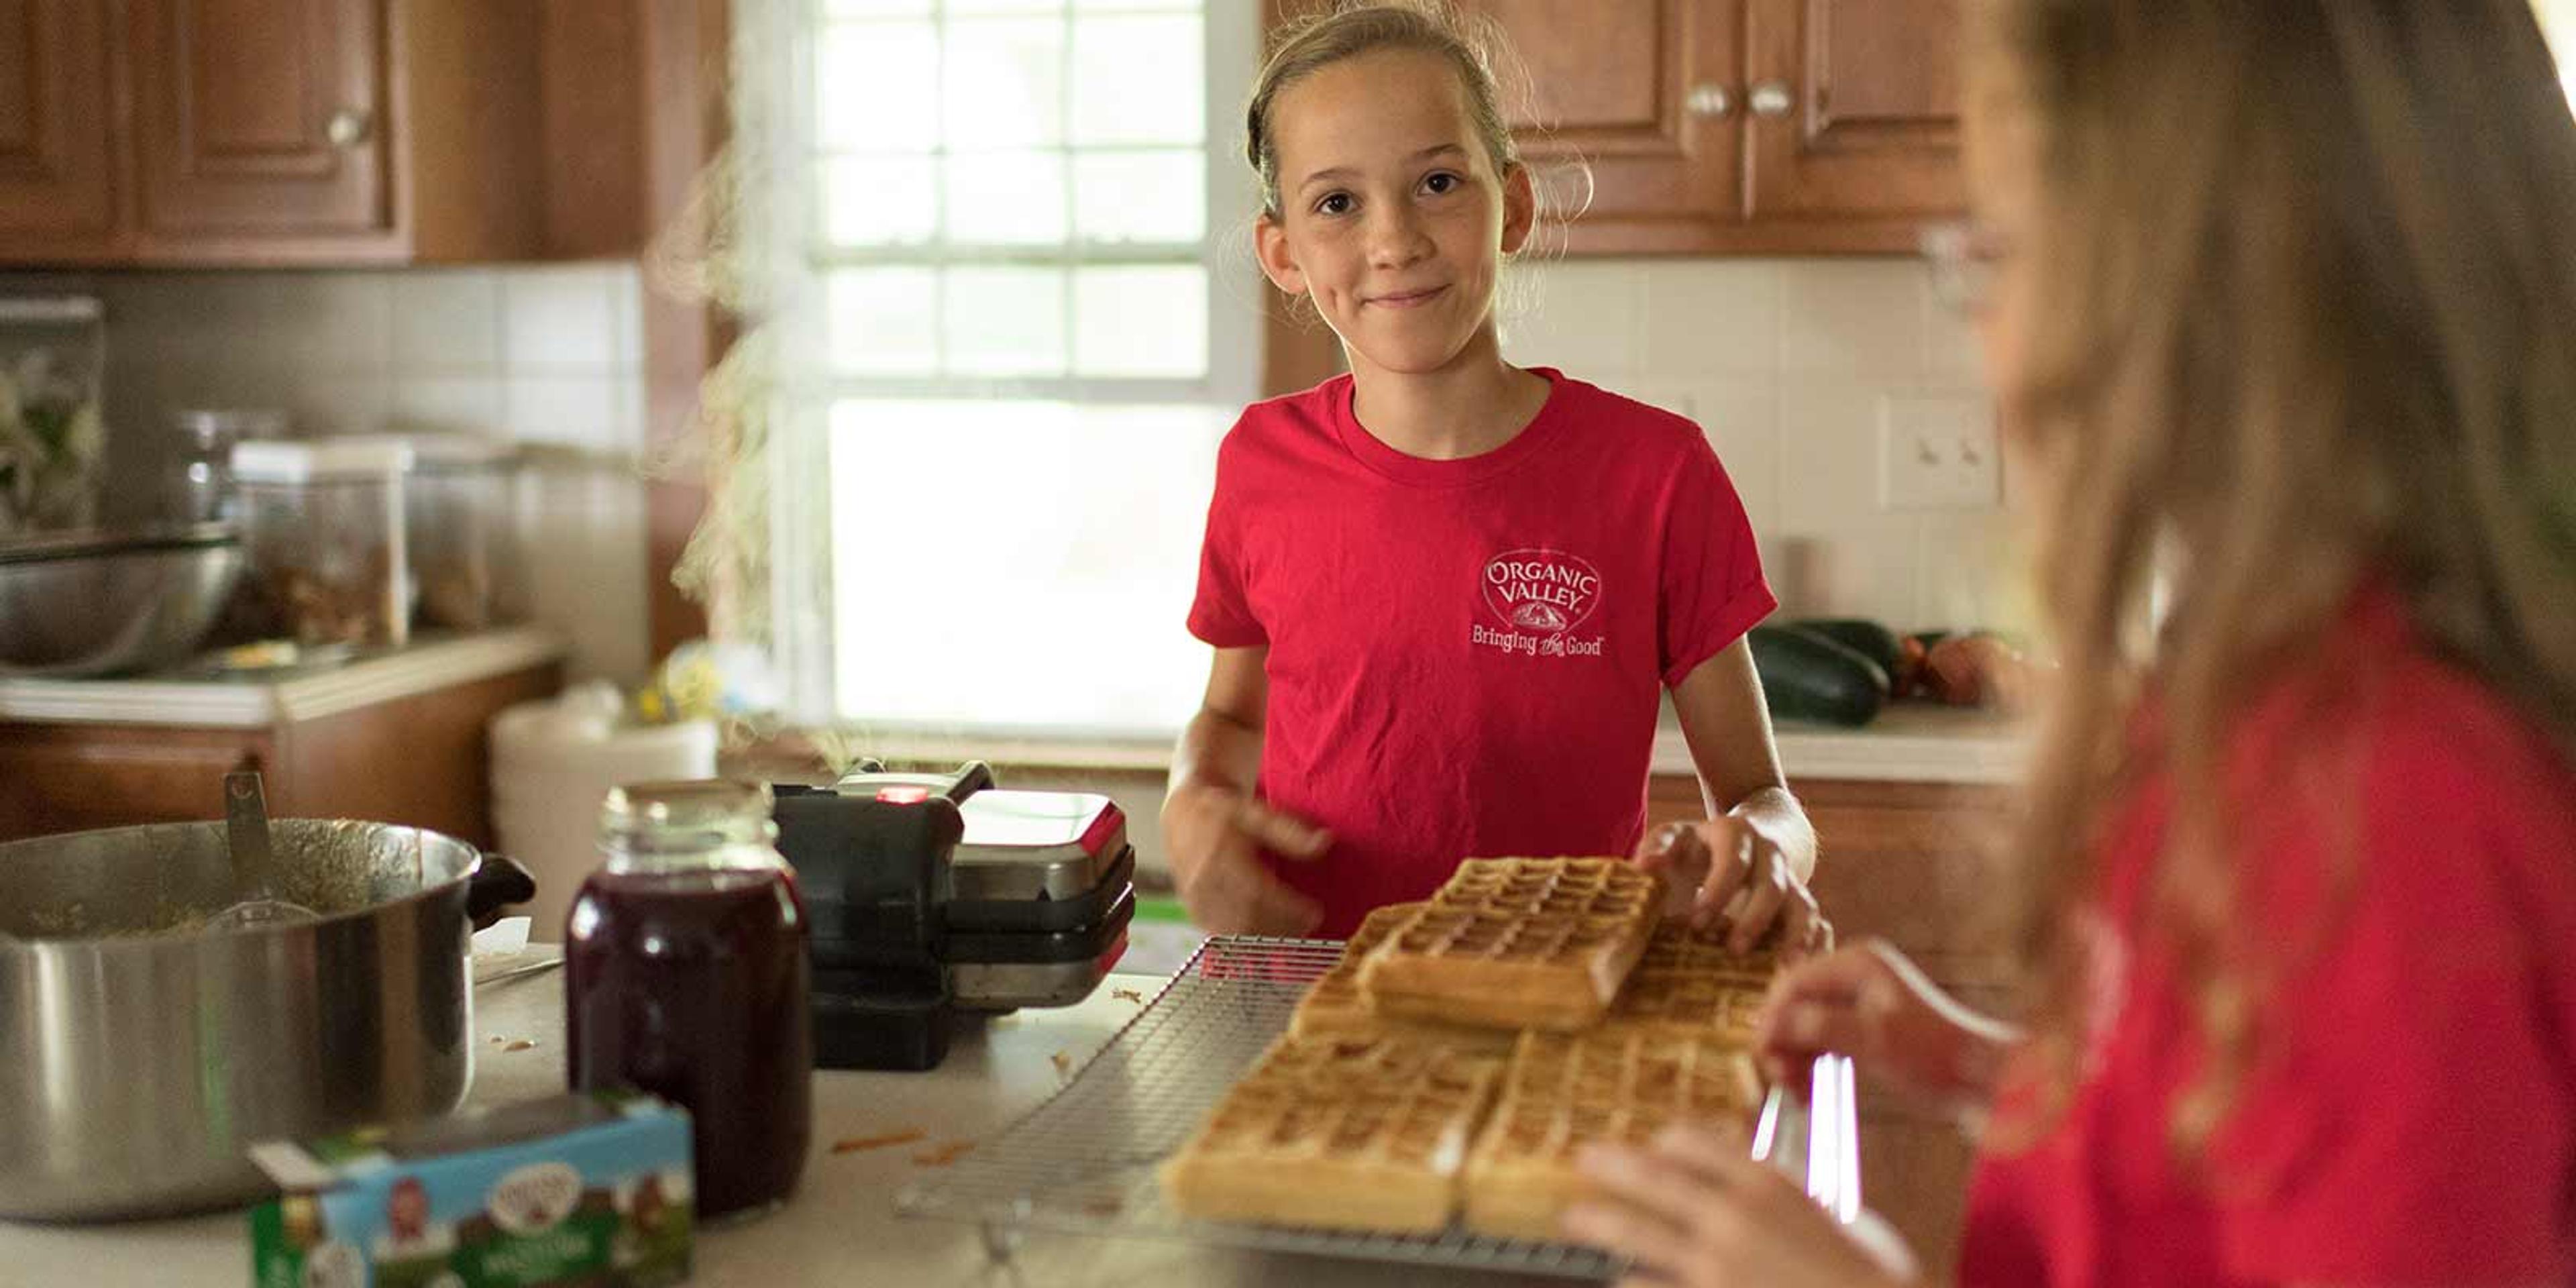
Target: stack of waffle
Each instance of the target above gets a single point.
(1614, 1027)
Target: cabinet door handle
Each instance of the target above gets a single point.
(349, 127)
(1709, 100)
(1773, 99)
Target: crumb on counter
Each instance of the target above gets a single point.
(855, 1144)
(943, 1155)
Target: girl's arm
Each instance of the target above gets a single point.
(1749, 864)
(1214, 828)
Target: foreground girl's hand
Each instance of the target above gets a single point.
(1870, 1003)
(1694, 1211)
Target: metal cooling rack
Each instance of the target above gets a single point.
(1083, 1162)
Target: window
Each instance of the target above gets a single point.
(1013, 314)
(2558, 22)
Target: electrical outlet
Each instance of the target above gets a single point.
(1938, 452)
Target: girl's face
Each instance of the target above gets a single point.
(2000, 158)
(1391, 217)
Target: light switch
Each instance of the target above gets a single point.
(1938, 452)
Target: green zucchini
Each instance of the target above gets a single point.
(1807, 676)
(1862, 636)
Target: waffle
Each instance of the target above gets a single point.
(1608, 1086)
(1333, 1006)
(1689, 980)
(1355, 1135)
(1518, 943)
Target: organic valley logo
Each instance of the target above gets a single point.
(1545, 591)
(534, 1198)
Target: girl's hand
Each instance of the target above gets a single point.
(1726, 872)
(1214, 836)
(1694, 1211)
(1868, 1002)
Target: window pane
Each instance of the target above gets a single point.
(1005, 6)
(1140, 196)
(1079, 516)
(1005, 83)
(879, 200)
(1148, 322)
(876, 8)
(1005, 321)
(1138, 6)
(883, 320)
(1113, 103)
(1006, 199)
(873, 86)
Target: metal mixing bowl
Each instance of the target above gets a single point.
(112, 602)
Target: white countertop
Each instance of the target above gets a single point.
(840, 1230)
(258, 702)
(1909, 742)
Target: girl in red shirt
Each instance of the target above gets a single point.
(2285, 289)
(1447, 594)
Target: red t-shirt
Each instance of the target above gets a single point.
(1465, 656)
(2411, 1116)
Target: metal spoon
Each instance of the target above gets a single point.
(246, 829)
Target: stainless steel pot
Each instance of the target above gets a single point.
(140, 1055)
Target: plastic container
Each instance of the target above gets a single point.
(463, 505)
(553, 763)
(326, 525)
(685, 975)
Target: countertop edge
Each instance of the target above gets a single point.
(216, 704)
(1931, 748)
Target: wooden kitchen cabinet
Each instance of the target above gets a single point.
(259, 118)
(1735, 126)
(270, 132)
(417, 759)
(57, 160)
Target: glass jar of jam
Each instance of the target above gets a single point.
(686, 976)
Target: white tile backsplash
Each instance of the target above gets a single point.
(464, 404)
(1785, 364)
(1714, 316)
(549, 356)
(582, 413)
(1586, 317)
(447, 322)
(1782, 363)
(560, 320)
(1852, 317)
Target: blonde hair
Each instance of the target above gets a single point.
(2309, 312)
(1473, 47)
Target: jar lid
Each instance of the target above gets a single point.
(431, 453)
(320, 460)
(703, 805)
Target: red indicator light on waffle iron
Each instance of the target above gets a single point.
(903, 795)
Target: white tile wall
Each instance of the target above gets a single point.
(1787, 364)
(546, 356)
(1783, 362)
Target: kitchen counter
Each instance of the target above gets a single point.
(258, 701)
(1909, 743)
(841, 1228)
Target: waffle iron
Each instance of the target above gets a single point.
(932, 898)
